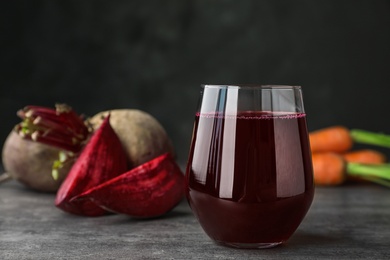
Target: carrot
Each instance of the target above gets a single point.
(328, 169)
(331, 139)
(340, 139)
(366, 156)
(331, 169)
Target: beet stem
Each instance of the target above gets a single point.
(60, 127)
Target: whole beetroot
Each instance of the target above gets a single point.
(34, 144)
(143, 138)
(31, 163)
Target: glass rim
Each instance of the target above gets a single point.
(250, 86)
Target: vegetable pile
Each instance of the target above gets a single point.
(96, 167)
(335, 162)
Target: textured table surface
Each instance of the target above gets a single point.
(349, 222)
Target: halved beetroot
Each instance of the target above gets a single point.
(148, 190)
(101, 159)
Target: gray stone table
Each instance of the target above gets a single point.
(349, 222)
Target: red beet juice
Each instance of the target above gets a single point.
(249, 176)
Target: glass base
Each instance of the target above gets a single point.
(250, 245)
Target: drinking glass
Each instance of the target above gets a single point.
(249, 177)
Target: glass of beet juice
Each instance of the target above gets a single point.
(249, 178)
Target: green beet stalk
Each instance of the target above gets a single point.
(367, 137)
(378, 173)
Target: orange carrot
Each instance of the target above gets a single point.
(340, 139)
(331, 139)
(366, 156)
(328, 169)
(331, 169)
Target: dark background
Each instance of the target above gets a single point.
(153, 55)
